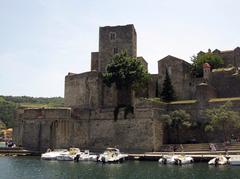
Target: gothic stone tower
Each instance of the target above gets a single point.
(112, 40)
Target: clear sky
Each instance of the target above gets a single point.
(42, 40)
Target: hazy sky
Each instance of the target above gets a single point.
(42, 40)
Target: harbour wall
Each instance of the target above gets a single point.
(43, 128)
(94, 130)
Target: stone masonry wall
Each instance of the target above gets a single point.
(196, 111)
(124, 39)
(179, 72)
(94, 61)
(226, 83)
(39, 129)
(34, 128)
(83, 90)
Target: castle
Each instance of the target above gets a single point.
(89, 119)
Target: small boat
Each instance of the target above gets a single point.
(52, 155)
(234, 160)
(176, 160)
(112, 155)
(69, 155)
(219, 160)
(87, 156)
(167, 159)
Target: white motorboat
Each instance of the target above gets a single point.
(87, 156)
(52, 155)
(234, 160)
(69, 155)
(219, 160)
(112, 155)
(167, 159)
(176, 160)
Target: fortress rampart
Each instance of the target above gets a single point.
(94, 119)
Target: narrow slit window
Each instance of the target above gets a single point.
(113, 36)
(115, 50)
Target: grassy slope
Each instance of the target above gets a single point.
(8, 105)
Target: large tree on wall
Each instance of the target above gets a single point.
(125, 72)
(224, 119)
(176, 121)
(167, 93)
(214, 60)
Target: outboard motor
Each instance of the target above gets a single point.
(97, 159)
(216, 161)
(164, 160)
(76, 159)
(103, 160)
(178, 162)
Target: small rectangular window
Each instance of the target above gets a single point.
(113, 35)
(115, 50)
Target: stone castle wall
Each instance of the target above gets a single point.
(91, 123)
(39, 129)
(88, 131)
(94, 61)
(113, 40)
(34, 127)
(179, 72)
(196, 110)
(228, 57)
(83, 90)
(226, 83)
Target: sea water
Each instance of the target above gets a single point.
(34, 168)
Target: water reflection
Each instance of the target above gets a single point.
(32, 167)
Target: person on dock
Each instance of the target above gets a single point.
(175, 148)
(225, 148)
(212, 147)
(181, 147)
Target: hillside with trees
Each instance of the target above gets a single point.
(8, 105)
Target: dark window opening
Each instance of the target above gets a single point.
(113, 36)
(115, 50)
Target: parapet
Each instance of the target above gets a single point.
(45, 113)
(72, 76)
(130, 26)
(94, 61)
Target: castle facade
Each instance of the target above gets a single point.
(89, 119)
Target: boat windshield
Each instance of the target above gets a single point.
(60, 150)
(86, 152)
(112, 150)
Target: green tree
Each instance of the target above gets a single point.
(214, 60)
(222, 118)
(7, 111)
(8, 105)
(125, 72)
(2, 125)
(167, 93)
(178, 120)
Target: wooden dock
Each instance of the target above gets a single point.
(16, 151)
(198, 156)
